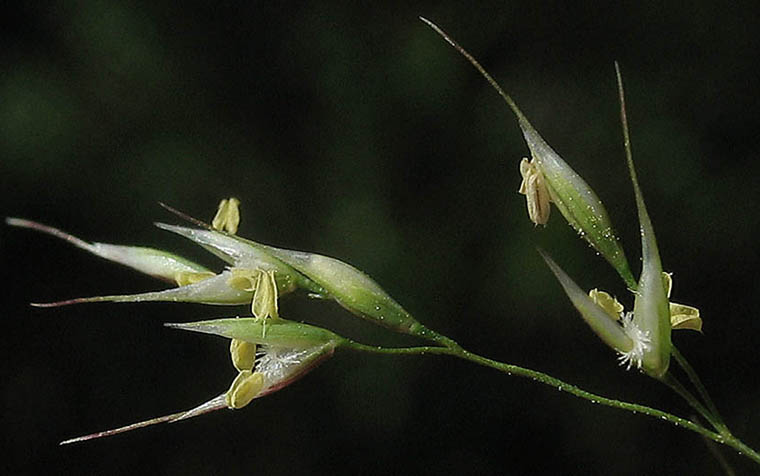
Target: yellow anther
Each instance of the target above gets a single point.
(244, 279)
(246, 386)
(610, 305)
(685, 317)
(681, 315)
(533, 186)
(227, 216)
(264, 287)
(243, 354)
(265, 297)
(183, 278)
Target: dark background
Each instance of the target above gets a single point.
(356, 132)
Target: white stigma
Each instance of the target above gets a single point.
(277, 363)
(640, 340)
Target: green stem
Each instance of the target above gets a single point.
(670, 380)
(457, 351)
(436, 338)
(715, 451)
(695, 380)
